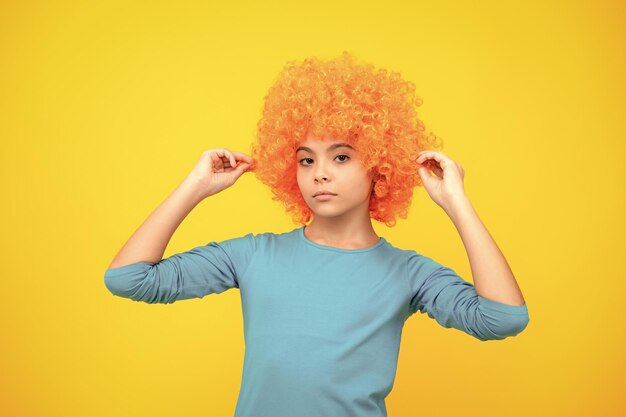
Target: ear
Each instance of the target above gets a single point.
(375, 177)
(374, 174)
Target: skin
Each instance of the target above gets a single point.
(343, 221)
(492, 276)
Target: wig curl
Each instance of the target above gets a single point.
(372, 109)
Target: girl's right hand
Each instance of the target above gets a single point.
(217, 170)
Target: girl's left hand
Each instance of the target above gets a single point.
(447, 184)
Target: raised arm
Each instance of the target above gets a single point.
(138, 271)
(216, 170)
(493, 278)
(493, 307)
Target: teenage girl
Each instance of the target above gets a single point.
(324, 304)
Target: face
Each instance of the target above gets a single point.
(333, 165)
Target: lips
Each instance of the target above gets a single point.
(323, 193)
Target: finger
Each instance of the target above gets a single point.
(425, 175)
(431, 151)
(431, 165)
(226, 156)
(423, 156)
(216, 161)
(242, 156)
(230, 157)
(442, 159)
(430, 155)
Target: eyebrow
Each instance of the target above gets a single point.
(330, 148)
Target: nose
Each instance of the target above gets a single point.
(321, 172)
(321, 177)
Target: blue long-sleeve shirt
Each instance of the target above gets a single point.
(322, 325)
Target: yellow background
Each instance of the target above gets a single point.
(106, 106)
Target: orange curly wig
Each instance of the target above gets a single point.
(371, 109)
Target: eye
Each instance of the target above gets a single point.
(338, 156)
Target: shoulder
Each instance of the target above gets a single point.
(406, 255)
(255, 240)
(417, 264)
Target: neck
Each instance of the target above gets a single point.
(354, 231)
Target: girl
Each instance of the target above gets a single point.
(324, 305)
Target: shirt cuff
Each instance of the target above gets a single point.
(134, 267)
(501, 307)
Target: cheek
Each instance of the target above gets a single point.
(299, 180)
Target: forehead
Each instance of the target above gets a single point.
(322, 144)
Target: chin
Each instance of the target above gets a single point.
(326, 211)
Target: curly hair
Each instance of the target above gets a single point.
(371, 109)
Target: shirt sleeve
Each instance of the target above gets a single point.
(454, 303)
(209, 269)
